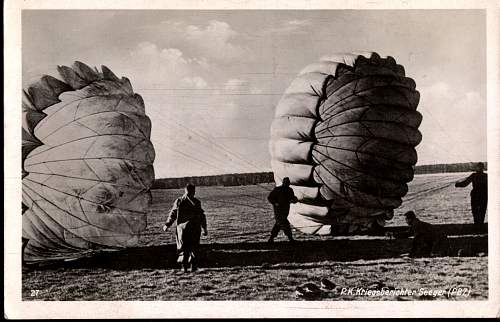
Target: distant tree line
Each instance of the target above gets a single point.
(235, 179)
(242, 179)
(446, 168)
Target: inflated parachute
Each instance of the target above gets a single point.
(87, 163)
(345, 133)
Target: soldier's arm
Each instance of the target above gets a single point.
(203, 217)
(272, 196)
(173, 214)
(293, 198)
(464, 182)
(404, 234)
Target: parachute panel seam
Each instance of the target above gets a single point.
(92, 170)
(78, 197)
(374, 106)
(95, 158)
(59, 242)
(366, 137)
(370, 154)
(114, 96)
(365, 97)
(93, 114)
(347, 184)
(75, 140)
(358, 79)
(373, 175)
(366, 110)
(70, 214)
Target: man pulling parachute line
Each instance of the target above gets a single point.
(478, 194)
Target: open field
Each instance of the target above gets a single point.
(238, 265)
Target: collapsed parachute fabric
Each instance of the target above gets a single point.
(345, 133)
(87, 163)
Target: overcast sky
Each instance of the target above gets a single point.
(211, 79)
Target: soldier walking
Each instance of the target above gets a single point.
(190, 220)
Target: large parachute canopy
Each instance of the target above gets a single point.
(345, 133)
(87, 163)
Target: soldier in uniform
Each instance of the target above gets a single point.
(479, 193)
(280, 198)
(190, 220)
(426, 239)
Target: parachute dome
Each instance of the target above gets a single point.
(87, 163)
(345, 133)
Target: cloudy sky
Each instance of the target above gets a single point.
(211, 79)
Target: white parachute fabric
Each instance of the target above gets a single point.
(87, 163)
(345, 133)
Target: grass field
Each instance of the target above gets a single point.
(238, 265)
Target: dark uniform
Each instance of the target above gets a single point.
(426, 239)
(190, 219)
(478, 195)
(280, 198)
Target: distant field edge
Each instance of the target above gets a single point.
(253, 178)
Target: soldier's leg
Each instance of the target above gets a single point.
(482, 210)
(183, 246)
(274, 232)
(185, 264)
(421, 247)
(475, 215)
(476, 210)
(186, 260)
(195, 250)
(478, 215)
(426, 248)
(180, 245)
(287, 229)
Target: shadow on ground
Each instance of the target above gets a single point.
(259, 253)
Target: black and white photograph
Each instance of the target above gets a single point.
(251, 161)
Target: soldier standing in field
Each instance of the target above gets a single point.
(479, 193)
(280, 198)
(190, 220)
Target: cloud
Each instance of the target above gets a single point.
(215, 40)
(242, 86)
(167, 67)
(191, 91)
(194, 82)
(290, 26)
